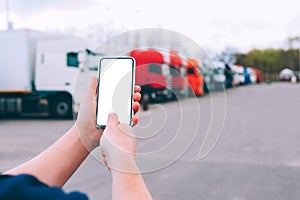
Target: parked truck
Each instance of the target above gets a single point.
(259, 75)
(178, 75)
(38, 72)
(219, 79)
(238, 75)
(195, 79)
(149, 75)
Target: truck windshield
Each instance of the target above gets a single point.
(190, 71)
(154, 68)
(72, 59)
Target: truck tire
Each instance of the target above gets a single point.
(145, 101)
(205, 88)
(61, 107)
(169, 97)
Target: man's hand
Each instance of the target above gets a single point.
(118, 146)
(85, 122)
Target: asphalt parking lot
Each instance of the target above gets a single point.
(256, 157)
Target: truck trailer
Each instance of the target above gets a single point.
(38, 72)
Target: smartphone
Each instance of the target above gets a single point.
(115, 89)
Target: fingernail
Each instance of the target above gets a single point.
(112, 115)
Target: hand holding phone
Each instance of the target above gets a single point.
(115, 89)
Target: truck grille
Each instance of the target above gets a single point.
(10, 105)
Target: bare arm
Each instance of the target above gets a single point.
(55, 165)
(129, 186)
(118, 147)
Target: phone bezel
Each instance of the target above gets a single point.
(100, 126)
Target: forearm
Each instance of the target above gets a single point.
(118, 146)
(129, 186)
(56, 164)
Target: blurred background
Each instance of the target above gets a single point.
(231, 65)
(223, 29)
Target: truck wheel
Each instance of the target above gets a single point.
(145, 101)
(205, 88)
(61, 107)
(169, 97)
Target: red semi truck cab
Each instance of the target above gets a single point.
(149, 74)
(179, 83)
(195, 79)
(259, 75)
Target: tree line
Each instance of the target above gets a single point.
(270, 61)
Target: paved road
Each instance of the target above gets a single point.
(256, 157)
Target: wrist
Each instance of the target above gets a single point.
(123, 165)
(84, 138)
(128, 171)
(118, 159)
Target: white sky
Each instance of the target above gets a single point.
(214, 24)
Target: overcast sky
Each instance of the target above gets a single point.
(214, 24)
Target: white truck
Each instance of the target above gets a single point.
(38, 72)
(238, 75)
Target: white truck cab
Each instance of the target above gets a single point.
(39, 71)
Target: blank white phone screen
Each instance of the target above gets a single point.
(115, 89)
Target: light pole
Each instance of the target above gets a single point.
(9, 23)
(298, 38)
(298, 41)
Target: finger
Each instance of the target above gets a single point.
(135, 107)
(106, 163)
(137, 96)
(103, 155)
(137, 88)
(135, 120)
(94, 84)
(112, 120)
(92, 89)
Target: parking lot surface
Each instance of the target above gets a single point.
(256, 157)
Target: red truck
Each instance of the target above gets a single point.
(179, 83)
(259, 75)
(195, 79)
(149, 75)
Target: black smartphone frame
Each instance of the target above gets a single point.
(99, 126)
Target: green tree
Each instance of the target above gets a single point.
(270, 61)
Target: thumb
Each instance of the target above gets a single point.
(112, 120)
